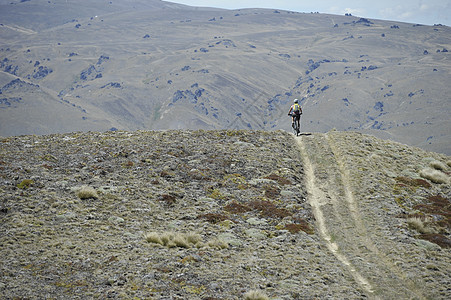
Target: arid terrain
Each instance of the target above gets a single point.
(84, 65)
(222, 214)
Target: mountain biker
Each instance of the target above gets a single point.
(295, 112)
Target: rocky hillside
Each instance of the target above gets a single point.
(83, 65)
(222, 215)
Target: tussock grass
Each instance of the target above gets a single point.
(193, 238)
(172, 240)
(255, 295)
(183, 240)
(434, 175)
(218, 244)
(419, 225)
(87, 192)
(153, 237)
(438, 165)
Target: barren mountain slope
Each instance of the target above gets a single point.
(215, 214)
(83, 65)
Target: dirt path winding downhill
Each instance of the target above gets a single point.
(342, 226)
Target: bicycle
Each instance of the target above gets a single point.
(296, 125)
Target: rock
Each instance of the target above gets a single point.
(256, 234)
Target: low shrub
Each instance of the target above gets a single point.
(269, 209)
(26, 183)
(236, 208)
(413, 182)
(436, 238)
(213, 218)
(300, 225)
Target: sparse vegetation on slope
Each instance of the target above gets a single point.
(214, 215)
(180, 67)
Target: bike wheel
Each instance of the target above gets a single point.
(295, 128)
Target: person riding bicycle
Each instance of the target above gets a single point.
(295, 112)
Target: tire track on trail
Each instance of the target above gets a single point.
(317, 199)
(340, 223)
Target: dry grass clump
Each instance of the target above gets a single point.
(434, 175)
(153, 237)
(171, 239)
(218, 244)
(420, 225)
(255, 295)
(87, 192)
(183, 240)
(438, 165)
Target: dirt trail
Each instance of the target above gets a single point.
(341, 224)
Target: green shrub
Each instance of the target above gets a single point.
(26, 183)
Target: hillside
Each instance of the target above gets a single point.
(218, 214)
(83, 65)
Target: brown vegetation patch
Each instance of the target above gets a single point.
(436, 238)
(272, 192)
(302, 225)
(269, 209)
(437, 205)
(168, 199)
(413, 182)
(236, 208)
(213, 218)
(166, 174)
(280, 180)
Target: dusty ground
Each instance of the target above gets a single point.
(215, 214)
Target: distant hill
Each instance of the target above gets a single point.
(106, 65)
(222, 214)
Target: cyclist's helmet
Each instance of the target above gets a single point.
(296, 100)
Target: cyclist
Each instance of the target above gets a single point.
(295, 112)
